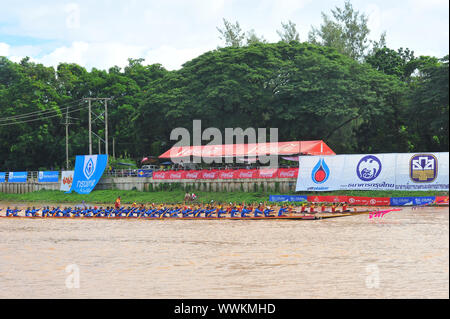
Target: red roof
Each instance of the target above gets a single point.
(258, 149)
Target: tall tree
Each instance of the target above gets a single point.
(232, 34)
(253, 38)
(346, 31)
(288, 32)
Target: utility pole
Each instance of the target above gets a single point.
(67, 138)
(67, 123)
(90, 129)
(105, 99)
(114, 149)
(106, 127)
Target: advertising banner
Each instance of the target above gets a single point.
(287, 172)
(228, 173)
(88, 171)
(287, 198)
(368, 201)
(268, 173)
(328, 199)
(2, 177)
(319, 173)
(352, 200)
(373, 172)
(66, 181)
(17, 177)
(144, 173)
(48, 177)
(409, 201)
(176, 174)
(422, 171)
(209, 174)
(193, 174)
(246, 173)
(159, 175)
(441, 200)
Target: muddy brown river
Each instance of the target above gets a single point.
(405, 254)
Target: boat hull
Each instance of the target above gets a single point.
(290, 217)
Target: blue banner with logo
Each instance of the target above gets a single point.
(88, 171)
(393, 171)
(17, 177)
(48, 177)
(144, 173)
(2, 177)
(287, 198)
(410, 201)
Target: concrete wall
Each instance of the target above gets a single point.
(281, 185)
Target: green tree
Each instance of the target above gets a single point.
(232, 34)
(288, 32)
(346, 31)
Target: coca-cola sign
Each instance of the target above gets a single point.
(193, 175)
(209, 175)
(287, 172)
(226, 175)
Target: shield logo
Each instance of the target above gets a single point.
(423, 168)
(89, 166)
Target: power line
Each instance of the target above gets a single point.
(42, 118)
(39, 113)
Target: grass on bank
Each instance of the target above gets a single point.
(108, 197)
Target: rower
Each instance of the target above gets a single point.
(311, 209)
(323, 208)
(12, 212)
(281, 211)
(257, 212)
(175, 212)
(66, 212)
(267, 212)
(220, 212)
(333, 208)
(28, 212)
(209, 213)
(244, 212)
(187, 212)
(56, 212)
(233, 212)
(345, 208)
(303, 209)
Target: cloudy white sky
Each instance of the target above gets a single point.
(104, 33)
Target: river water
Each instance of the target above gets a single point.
(405, 254)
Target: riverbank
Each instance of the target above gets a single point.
(176, 196)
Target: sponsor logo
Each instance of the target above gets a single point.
(209, 175)
(227, 175)
(192, 174)
(287, 173)
(368, 168)
(423, 168)
(89, 166)
(68, 180)
(246, 174)
(320, 172)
